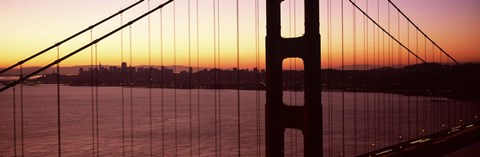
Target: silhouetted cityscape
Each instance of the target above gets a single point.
(409, 80)
(160, 78)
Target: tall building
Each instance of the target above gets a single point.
(124, 65)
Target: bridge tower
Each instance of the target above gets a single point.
(279, 116)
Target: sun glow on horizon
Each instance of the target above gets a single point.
(27, 28)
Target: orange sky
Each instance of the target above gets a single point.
(29, 26)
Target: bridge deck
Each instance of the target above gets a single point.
(437, 144)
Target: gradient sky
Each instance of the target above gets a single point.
(28, 26)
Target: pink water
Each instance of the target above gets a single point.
(40, 122)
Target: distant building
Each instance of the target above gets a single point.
(124, 65)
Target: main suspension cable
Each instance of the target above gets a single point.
(386, 32)
(90, 28)
(11, 84)
(426, 36)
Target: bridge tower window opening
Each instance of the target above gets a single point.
(293, 143)
(291, 17)
(293, 81)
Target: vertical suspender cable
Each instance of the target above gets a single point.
(131, 89)
(433, 53)
(378, 88)
(162, 70)
(257, 92)
(343, 81)
(408, 97)
(354, 69)
(21, 111)
(198, 79)
(384, 112)
(215, 72)
(366, 97)
(123, 87)
(392, 102)
(425, 103)
(290, 64)
(435, 122)
(295, 70)
(372, 142)
(425, 41)
(461, 112)
(386, 121)
(190, 78)
(219, 83)
(238, 81)
(58, 107)
(14, 122)
(150, 81)
(92, 83)
(374, 103)
(390, 56)
(290, 17)
(440, 57)
(400, 125)
(436, 115)
(381, 101)
(376, 94)
(96, 99)
(175, 75)
(374, 91)
(295, 132)
(385, 95)
(329, 58)
(416, 98)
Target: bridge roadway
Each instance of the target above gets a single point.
(437, 144)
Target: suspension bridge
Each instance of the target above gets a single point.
(205, 78)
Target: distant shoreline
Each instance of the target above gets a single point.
(438, 98)
(458, 82)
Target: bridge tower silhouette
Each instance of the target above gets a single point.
(278, 115)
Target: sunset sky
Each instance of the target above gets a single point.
(28, 26)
